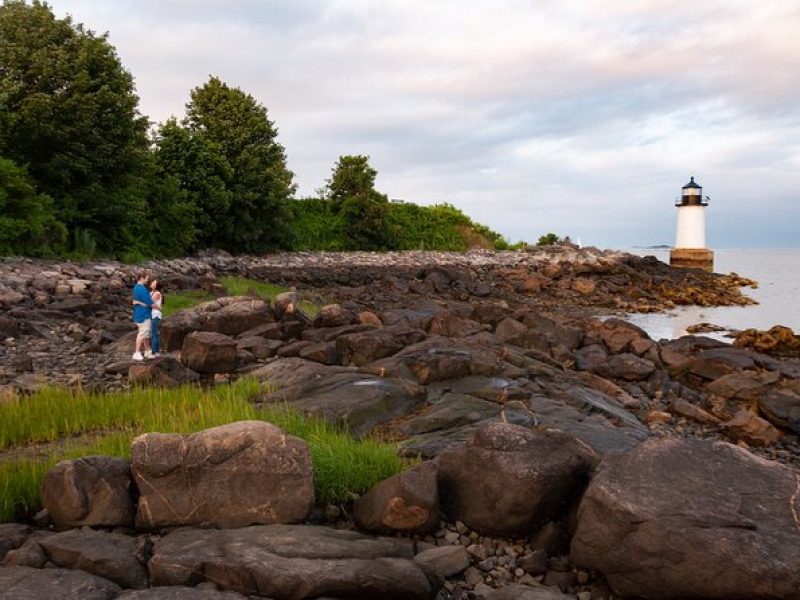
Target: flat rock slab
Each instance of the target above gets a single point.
(293, 562)
(356, 400)
(26, 583)
(111, 556)
(244, 473)
(679, 518)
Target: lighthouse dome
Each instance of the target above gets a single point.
(692, 185)
(692, 195)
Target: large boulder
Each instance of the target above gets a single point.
(27, 583)
(407, 502)
(164, 371)
(229, 476)
(209, 352)
(93, 491)
(679, 518)
(293, 562)
(229, 315)
(507, 480)
(112, 556)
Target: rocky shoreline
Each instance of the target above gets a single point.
(565, 455)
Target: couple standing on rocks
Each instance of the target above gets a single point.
(147, 316)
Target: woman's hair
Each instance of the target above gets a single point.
(157, 286)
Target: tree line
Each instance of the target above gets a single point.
(83, 174)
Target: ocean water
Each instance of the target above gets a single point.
(778, 275)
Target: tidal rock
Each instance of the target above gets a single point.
(447, 561)
(743, 385)
(209, 352)
(356, 400)
(94, 491)
(164, 371)
(368, 346)
(617, 334)
(26, 583)
(286, 372)
(748, 426)
(507, 479)
(322, 352)
(626, 366)
(111, 556)
(229, 476)
(12, 536)
(662, 517)
(332, 315)
(516, 591)
(293, 562)
(180, 592)
(782, 407)
(407, 502)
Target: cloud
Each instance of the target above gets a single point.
(576, 116)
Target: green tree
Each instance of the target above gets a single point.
(202, 173)
(27, 224)
(548, 239)
(69, 114)
(260, 183)
(351, 191)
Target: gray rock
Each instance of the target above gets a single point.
(782, 408)
(661, 518)
(407, 502)
(447, 561)
(289, 562)
(626, 366)
(25, 583)
(12, 536)
(229, 476)
(94, 491)
(355, 400)
(507, 479)
(111, 556)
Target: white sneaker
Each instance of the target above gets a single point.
(149, 354)
(138, 356)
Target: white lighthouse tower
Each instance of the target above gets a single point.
(690, 240)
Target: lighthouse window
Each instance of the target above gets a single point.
(691, 191)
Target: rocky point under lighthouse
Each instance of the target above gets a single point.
(690, 239)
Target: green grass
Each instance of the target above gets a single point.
(55, 419)
(235, 286)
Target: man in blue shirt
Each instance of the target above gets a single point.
(142, 304)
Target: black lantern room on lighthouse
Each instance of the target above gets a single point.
(690, 249)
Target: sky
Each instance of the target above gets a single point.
(580, 117)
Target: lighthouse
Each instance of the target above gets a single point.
(690, 239)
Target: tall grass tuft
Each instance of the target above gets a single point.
(67, 423)
(235, 286)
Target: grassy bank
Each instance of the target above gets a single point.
(235, 286)
(55, 424)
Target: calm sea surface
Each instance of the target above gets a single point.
(778, 294)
